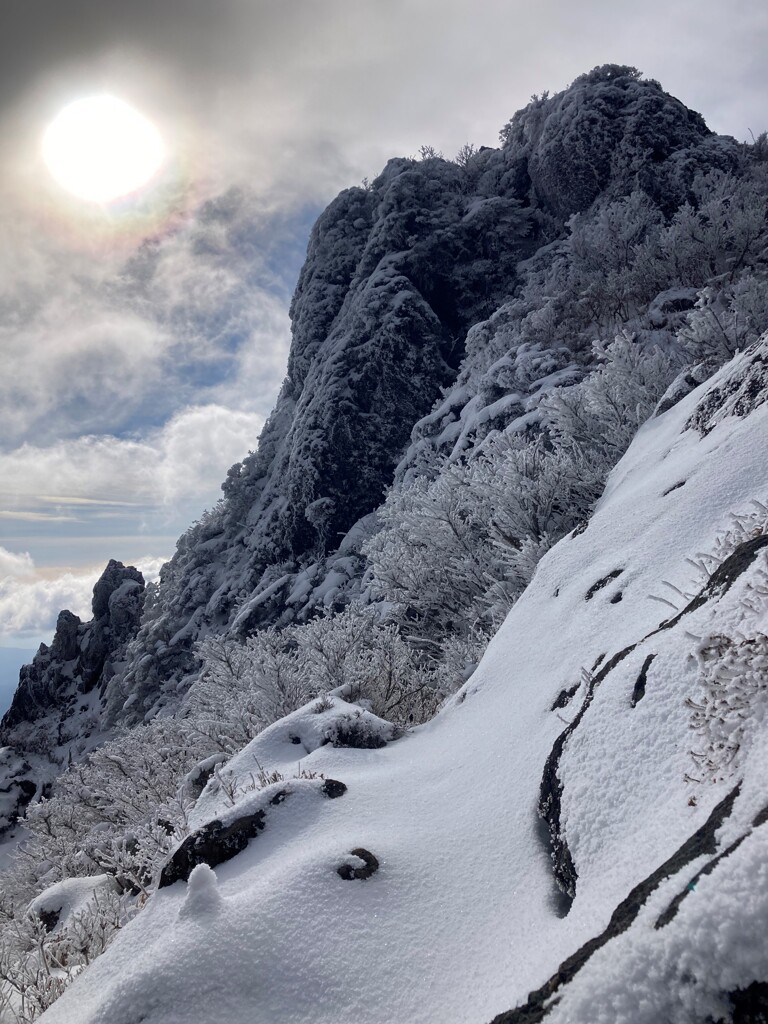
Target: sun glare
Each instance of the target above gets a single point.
(100, 148)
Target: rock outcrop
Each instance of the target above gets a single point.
(82, 654)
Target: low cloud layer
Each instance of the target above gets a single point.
(181, 463)
(102, 487)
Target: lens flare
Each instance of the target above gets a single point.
(101, 148)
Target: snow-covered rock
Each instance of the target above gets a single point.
(81, 654)
(57, 904)
(57, 710)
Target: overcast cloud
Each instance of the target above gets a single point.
(143, 346)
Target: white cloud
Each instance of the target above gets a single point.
(185, 461)
(198, 443)
(13, 565)
(29, 607)
(103, 343)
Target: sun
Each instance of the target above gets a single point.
(101, 148)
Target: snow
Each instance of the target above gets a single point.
(68, 897)
(463, 918)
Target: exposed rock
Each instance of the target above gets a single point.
(603, 582)
(213, 844)
(196, 780)
(82, 653)
(638, 691)
(564, 698)
(671, 911)
(220, 840)
(65, 644)
(351, 870)
(701, 842)
(741, 391)
(683, 385)
(362, 731)
(750, 1004)
(18, 785)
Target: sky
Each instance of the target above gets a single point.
(143, 341)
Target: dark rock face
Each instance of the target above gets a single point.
(81, 654)
(18, 786)
(638, 690)
(361, 732)
(213, 844)
(65, 640)
(683, 385)
(741, 392)
(351, 871)
(602, 583)
(750, 1004)
(702, 841)
(50, 918)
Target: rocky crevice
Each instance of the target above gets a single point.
(551, 787)
(702, 842)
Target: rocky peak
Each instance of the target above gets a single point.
(82, 653)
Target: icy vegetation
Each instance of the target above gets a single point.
(453, 709)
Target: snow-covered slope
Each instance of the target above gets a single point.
(586, 708)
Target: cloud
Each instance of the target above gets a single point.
(29, 608)
(184, 462)
(13, 565)
(119, 343)
(304, 97)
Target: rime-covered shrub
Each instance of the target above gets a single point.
(726, 319)
(722, 231)
(731, 705)
(615, 270)
(456, 549)
(118, 813)
(599, 416)
(38, 963)
(246, 686)
(116, 816)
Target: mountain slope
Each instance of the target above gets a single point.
(585, 708)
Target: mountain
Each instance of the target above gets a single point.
(56, 709)
(401, 730)
(382, 358)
